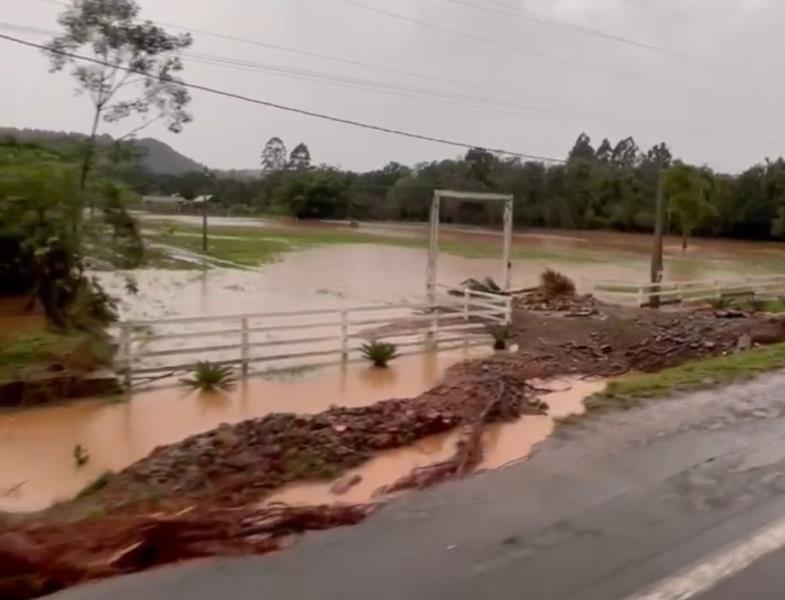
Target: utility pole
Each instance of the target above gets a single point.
(204, 225)
(656, 257)
(205, 199)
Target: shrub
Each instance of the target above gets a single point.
(379, 353)
(208, 377)
(500, 333)
(554, 284)
(720, 303)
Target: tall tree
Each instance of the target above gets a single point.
(660, 155)
(605, 151)
(686, 187)
(626, 153)
(300, 158)
(136, 69)
(582, 148)
(480, 163)
(274, 155)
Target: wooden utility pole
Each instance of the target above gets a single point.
(204, 227)
(656, 257)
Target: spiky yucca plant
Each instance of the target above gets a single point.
(379, 353)
(208, 377)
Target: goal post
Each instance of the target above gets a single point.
(433, 245)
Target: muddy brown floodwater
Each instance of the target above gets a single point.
(36, 445)
(503, 444)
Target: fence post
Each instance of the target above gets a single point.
(245, 350)
(508, 310)
(126, 359)
(466, 296)
(640, 296)
(344, 335)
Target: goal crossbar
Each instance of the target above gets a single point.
(433, 246)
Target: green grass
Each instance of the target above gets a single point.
(26, 354)
(249, 252)
(630, 390)
(772, 306)
(254, 246)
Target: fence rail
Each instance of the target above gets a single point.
(153, 349)
(673, 292)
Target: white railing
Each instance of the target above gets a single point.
(150, 350)
(672, 292)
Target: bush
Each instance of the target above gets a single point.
(555, 285)
(208, 377)
(379, 353)
(500, 333)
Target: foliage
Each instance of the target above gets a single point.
(630, 390)
(720, 303)
(141, 61)
(612, 187)
(43, 237)
(312, 194)
(501, 334)
(487, 285)
(300, 158)
(555, 285)
(379, 353)
(687, 189)
(25, 356)
(274, 155)
(208, 377)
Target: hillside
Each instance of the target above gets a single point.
(156, 156)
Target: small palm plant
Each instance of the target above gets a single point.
(379, 353)
(208, 377)
(500, 333)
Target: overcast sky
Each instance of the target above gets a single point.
(714, 91)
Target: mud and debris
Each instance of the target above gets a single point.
(204, 496)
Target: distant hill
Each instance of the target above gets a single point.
(157, 157)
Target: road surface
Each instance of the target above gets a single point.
(682, 498)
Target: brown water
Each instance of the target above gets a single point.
(502, 444)
(345, 275)
(36, 446)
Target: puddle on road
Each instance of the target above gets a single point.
(503, 444)
(36, 445)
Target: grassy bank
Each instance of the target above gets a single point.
(254, 246)
(28, 356)
(628, 391)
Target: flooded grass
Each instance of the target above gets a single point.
(630, 390)
(249, 246)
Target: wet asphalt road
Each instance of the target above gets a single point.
(602, 511)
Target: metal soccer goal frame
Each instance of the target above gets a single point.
(433, 246)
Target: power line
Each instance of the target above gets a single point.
(300, 111)
(579, 65)
(509, 91)
(482, 103)
(525, 15)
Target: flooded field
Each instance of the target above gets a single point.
(503, 444)
(37, 463)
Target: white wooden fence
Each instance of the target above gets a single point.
(673, 292)
(150, 350)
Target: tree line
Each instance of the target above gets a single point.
(611, 186)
